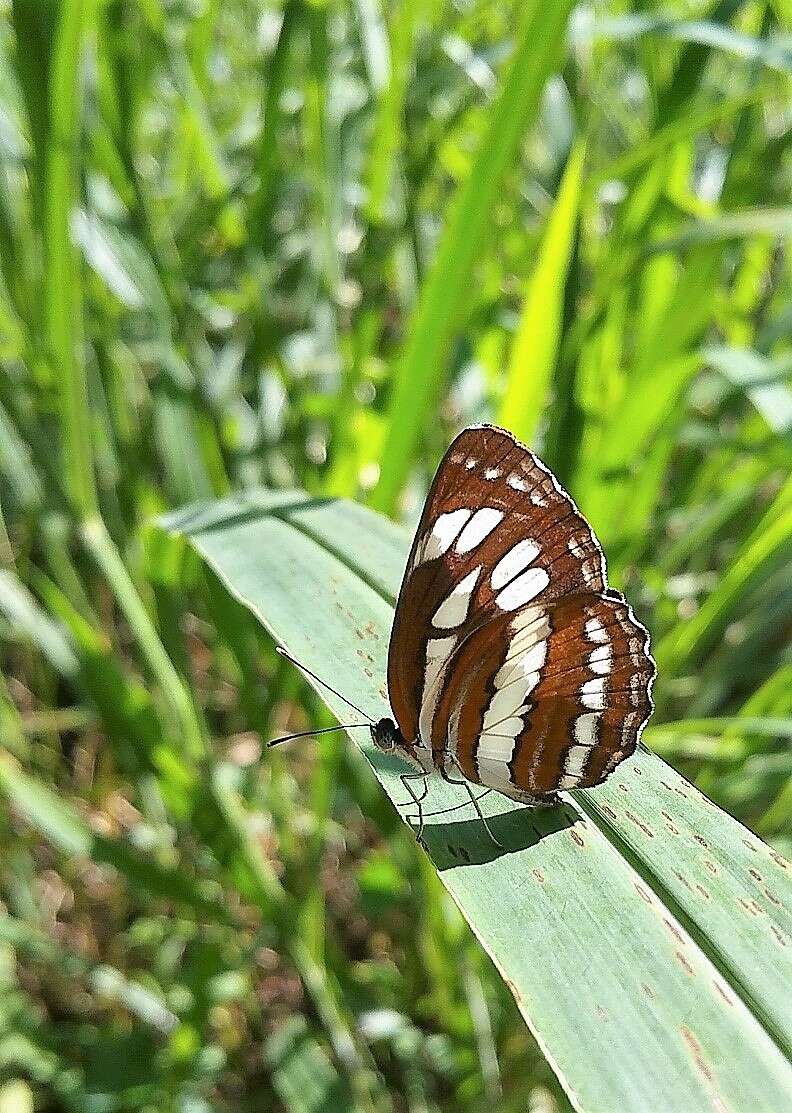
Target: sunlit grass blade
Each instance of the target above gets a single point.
(422, 367)
(772, 535)
(535, 347)
(776, 55)
(728, 226)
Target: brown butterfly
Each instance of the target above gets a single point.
(511, 663)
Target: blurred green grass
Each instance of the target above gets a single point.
(246, 245)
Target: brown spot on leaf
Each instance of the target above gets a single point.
(721, 988)
(602, 1013)
(779, 935)
(623, 786)
(677, 934)
(701, 840)
(639, 823)
(576, 838)
(683, 962)
(704, 892)
(608, 811)
(748, 908)
(697, 1053)
(755, 874)
(709, 865)
(779, 861)
(773, 898)
(648, 991)
(750, 845)
(538, 875)
(643, 893)
(666, 787)
(681, 877)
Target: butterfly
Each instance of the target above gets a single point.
(512, 664)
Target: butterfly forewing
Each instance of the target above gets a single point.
(506, 579)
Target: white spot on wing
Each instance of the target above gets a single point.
(438, 654)
(522, 590)
(576, 761)
(529, 617)
(478, 528)
(495, 773)
(568, 782)
(510, 565)
(502, 705)
(586, 729)
(592, 694)
(537, 499)
(600, 660)
(521, 665)
(453, 610)
(532, 627)
(517, 482)
(441, 537)
(575, 549)
(492, 473)
(498, 747)
(595, 631)
(470, 463)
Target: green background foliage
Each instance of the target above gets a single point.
(298, 246)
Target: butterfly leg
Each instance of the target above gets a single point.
(405, 779)
(473, 799)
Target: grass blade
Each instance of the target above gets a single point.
(535, 348)
(421, 371)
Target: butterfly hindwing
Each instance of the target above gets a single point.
(553, 699)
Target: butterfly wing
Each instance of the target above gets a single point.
(496, 532)
(549, 698)
(505, 579)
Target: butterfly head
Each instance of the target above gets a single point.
(386, 736)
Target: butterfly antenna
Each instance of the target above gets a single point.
(318, 679)
(311, 733)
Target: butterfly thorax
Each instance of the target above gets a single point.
(387, 736)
